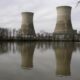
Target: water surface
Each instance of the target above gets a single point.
(40, 61)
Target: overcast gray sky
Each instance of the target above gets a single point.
(45, 13)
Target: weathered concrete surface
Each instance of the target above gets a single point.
(63, 24)
(27, 27)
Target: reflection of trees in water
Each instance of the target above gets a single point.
(6, 47)
(77, 44)
(63, 52)
(78, 2)
(27, 51)
(44, 45)
(3, 47)
(12, 47)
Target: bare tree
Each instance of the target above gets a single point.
(78, 3)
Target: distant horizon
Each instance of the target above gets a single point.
(44, 13)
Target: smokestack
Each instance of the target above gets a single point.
(27, 27)
(63, 24)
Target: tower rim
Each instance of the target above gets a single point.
(27, 13)
(65, 6)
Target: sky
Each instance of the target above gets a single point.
(45, 13)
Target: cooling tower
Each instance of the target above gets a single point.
(27, 27)
(63, 53)
(63, 24)
(27, 52)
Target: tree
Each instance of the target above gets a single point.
(78, 3)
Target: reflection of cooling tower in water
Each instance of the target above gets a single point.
(63, 54)
(27, 51)
(27, 27)
(63, 24)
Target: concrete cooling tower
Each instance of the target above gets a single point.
(63, 53)
(27, 27)
(63, 24)
(27, 52)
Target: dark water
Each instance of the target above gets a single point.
(40, 61)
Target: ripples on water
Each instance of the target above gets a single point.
(40, 61)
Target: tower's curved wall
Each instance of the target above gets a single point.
(63, 24)
(27, 52)
(63, 53)
(27, 27)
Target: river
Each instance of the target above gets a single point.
(40, 61)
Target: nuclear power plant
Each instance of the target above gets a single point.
(27, 27)
(63, 30)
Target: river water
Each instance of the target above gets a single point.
(40, 61)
